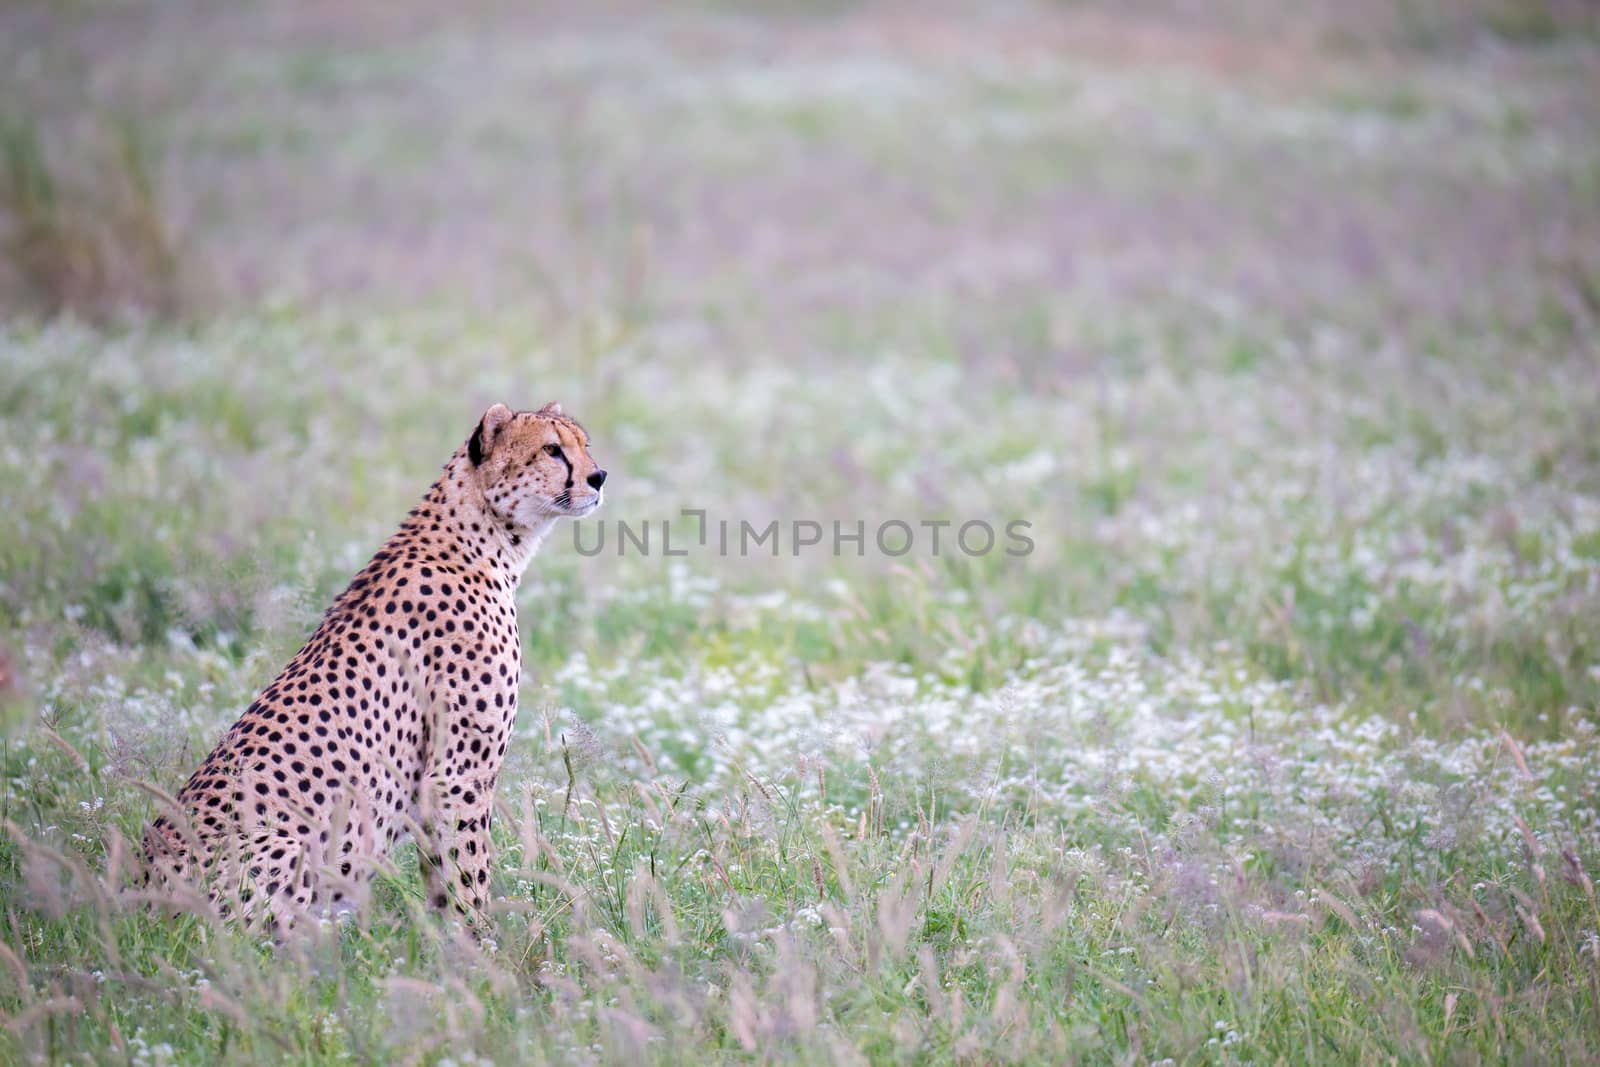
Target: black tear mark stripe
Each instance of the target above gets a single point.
(561, 454)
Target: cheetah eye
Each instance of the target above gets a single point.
(552, 450)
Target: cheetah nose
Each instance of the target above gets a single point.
(597, 479)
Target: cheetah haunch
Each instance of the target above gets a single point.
(395, 715)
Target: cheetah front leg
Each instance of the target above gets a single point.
(455, 865)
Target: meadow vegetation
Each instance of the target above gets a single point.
(1280, 330)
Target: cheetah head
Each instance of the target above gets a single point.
(534, 465)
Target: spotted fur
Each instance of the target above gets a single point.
(396, 714)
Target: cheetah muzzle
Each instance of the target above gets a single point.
(395, 716)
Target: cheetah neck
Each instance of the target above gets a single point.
(454, 510)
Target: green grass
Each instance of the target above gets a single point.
(1279, 747)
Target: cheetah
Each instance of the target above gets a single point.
(395, 715)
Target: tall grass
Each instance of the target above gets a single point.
(83, 223)
(640, 920)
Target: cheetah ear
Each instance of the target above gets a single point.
(551, 408)
(489, 427)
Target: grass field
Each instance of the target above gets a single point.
(1280, 328)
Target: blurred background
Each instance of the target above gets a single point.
(799, 164)
(1269, 317)
(1277, 321)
